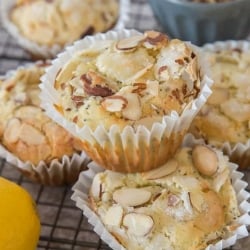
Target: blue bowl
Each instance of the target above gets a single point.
(203, 22)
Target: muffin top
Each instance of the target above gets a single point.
(226, 115)
(132, 81)
(63, 21)
(25, 130)
(188, 203)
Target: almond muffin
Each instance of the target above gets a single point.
(226, 115)
(25, 130)
(189, 197)
(63, 21)
(129, 96)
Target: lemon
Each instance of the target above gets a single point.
(19, 221)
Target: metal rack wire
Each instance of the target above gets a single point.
(63, 226)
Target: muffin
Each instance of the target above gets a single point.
(28, 134)
(226, 115)
(189, 197)
(129, 96)
(50, 25)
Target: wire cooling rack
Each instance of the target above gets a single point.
(63, 226)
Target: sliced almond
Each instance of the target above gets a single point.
(12, 130)
(95, 85)
(138, 224)
(213, 216)
(133, 109)
(220, 179)
(167, 169)
(155, 38)
(139, 87)
(114, 216)
(197, 200)
(131, 197)
(30, 135)
(114, 103)
(96, 187)
(205, 160)
(129, 43)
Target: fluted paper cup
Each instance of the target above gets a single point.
(38, 51)
(81, 197)
(129, 150)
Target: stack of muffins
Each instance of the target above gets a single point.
(128, 99)
(131, 97)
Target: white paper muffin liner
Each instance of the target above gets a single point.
(239, 152)
(58, 171)
(81, 198)
(42, 51)
(127, 150)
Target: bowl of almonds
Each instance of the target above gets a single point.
(203, 21)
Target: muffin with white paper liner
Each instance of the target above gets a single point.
(44, 28)
(37, 146)
(224, 121)
(200, 197)
(130, 97)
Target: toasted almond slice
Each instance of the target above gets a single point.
(197, 201)
(129, 43)
(155, 38)
(220, 179)
(139, 87)
(138, 224)
(12, 130)
(96, 187)
(212, 217)
(114, 216)
(167, 169)
(131, 197)
(114, 103)
(205, 160)
(133, 109)
(30, 135)
(96, 85)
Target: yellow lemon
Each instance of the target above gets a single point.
(19, 221)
